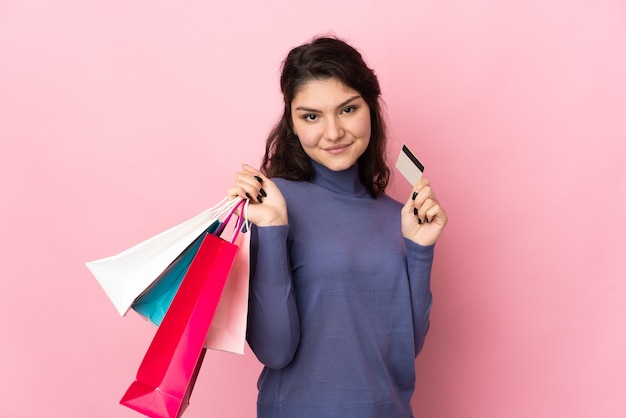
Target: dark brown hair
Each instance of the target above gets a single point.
(321, 59)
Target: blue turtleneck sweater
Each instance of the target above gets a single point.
(339, 303)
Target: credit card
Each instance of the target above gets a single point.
(409, 166)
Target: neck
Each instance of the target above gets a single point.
(344, 182)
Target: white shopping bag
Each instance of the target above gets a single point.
(127, 275)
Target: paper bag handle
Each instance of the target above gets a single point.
(241, 221)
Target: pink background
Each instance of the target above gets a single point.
(119, 119)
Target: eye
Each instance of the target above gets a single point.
(310, 117)
(349, 109)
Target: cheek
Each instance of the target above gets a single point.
(363, 127)
(307, 142)
(307, 135)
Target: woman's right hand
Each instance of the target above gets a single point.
(267, 204)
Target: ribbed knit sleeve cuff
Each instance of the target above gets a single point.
(419, 263)
(419, 253)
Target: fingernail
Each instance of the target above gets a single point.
(259, 179)
(426, 219)
(262, 192)
(419, 221)
(414, 196)
(414, 211)
(260, 199)
(248, 196)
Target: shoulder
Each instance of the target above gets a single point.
(291, 187)
(389, 201)
(281, 182)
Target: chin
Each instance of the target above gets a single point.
(338, 166)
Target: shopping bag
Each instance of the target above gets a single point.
(164, 380)
(155, 301)
(126, 275)
(228, 328)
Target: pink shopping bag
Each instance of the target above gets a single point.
(228, 328)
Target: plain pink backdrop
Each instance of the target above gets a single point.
(120, 119)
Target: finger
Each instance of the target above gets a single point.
(415, 201)
(235, 192)
(422, 195)
(423, 201)
(417, 188)
(437, 215)
(424, 208)
(258, 177)
(250, 186)
(252, 171)
(422, 191)
(420, 184)
(409, 205)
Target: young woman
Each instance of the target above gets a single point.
(340, 272)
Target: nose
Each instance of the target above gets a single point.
(334, 130)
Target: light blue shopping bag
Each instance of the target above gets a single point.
(156, 300)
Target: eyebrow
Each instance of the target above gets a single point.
(342, 104)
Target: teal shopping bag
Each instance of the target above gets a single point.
(156, 300)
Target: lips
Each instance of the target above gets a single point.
(335, 149)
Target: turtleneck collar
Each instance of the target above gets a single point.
(344, 182)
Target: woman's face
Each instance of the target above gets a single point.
(332, 122)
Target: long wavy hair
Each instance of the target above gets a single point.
(321, 59)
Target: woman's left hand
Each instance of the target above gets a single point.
(423, 218)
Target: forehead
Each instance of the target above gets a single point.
(321, 94)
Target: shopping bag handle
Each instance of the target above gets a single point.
(241, 221)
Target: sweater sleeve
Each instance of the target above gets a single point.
(419, 263)
(273, 323)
